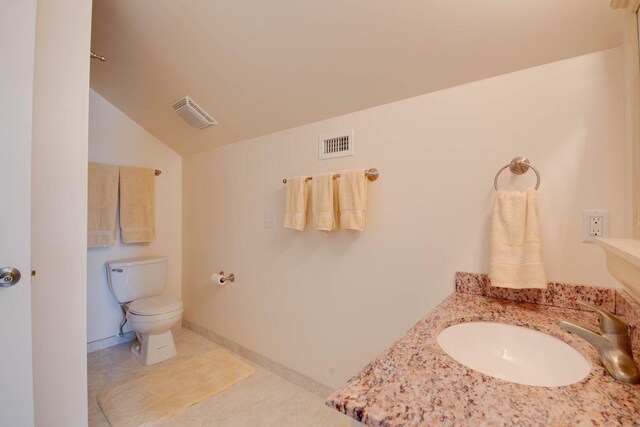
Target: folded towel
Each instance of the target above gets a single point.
(353, 199)
(516, 246)
(103, 204)
(137, 205)
(322, 213)
(295, 215)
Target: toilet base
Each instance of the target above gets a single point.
(154, 348)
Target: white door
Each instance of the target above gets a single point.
(17, 49)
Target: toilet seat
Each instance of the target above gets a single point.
(152, 318)
(154, 306)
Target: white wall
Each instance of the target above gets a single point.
(326, 304)
(115, 138)
(59, 212)
(17, 46)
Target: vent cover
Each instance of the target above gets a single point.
(192, 113)
(337, 144)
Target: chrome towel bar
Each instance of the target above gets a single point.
(518, 165)
(371, 174)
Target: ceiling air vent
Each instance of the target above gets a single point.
(337, 144)
(192, 113)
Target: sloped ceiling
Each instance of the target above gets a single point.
(265, 65)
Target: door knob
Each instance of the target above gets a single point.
(9, 276)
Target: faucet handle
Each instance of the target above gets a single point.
(609, 323)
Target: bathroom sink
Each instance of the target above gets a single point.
(513, 353)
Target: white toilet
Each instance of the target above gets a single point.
(137, 284)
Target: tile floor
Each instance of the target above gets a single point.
(263, 399)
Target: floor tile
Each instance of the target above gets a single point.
(262, 400)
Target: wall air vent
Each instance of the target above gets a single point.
(192, 113)
(337, 144)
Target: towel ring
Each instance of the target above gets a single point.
(518, 165)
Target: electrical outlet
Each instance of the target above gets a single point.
(595, 226)
(595, 223)
(269, 219)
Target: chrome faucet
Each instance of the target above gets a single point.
(613, 343)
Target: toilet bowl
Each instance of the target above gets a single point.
(152, 319)
(137, 285)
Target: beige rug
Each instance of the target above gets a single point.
(163, 393)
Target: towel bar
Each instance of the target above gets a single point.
(518, 165)
(371, 174)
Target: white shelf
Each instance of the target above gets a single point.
(623, 262)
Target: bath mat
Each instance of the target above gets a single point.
(165, 392)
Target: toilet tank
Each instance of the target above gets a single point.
(135, 278)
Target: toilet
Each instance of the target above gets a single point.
(137, 284)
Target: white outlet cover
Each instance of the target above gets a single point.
(269, 219)
(586, 221)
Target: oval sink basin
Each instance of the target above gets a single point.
(513, 353)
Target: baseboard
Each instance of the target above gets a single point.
(296, 378)
(110, 342)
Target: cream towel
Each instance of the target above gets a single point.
(137, 205)
(336, 203)
(516, 246)
(353, 199)
(322, 213)
(295, 215)
(103, 204)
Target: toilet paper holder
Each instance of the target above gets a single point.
(231, 277)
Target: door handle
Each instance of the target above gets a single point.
(9, 276)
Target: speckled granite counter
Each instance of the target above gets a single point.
(415, 383)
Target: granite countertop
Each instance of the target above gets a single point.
(415, 383)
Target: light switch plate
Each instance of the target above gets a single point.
(269, 220)
(595, 223)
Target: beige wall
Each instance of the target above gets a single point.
(59, 212)
(115, 138)
(325, 304)
(631, 59)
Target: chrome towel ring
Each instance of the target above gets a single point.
(518, 165)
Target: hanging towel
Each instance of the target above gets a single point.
(103, 204)
(137, 204)
(295, 215)
(322, 213)
(516, 245)
(336, 203)
(353, 199)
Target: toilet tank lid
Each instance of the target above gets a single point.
(136, 261)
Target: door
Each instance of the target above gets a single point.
(17, 50)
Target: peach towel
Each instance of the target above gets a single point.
(137, 204)
(295, 215)
(516, 244)
(102, 205)
(353, 199)
(322, 197)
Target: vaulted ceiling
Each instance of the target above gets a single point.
(259, 66)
